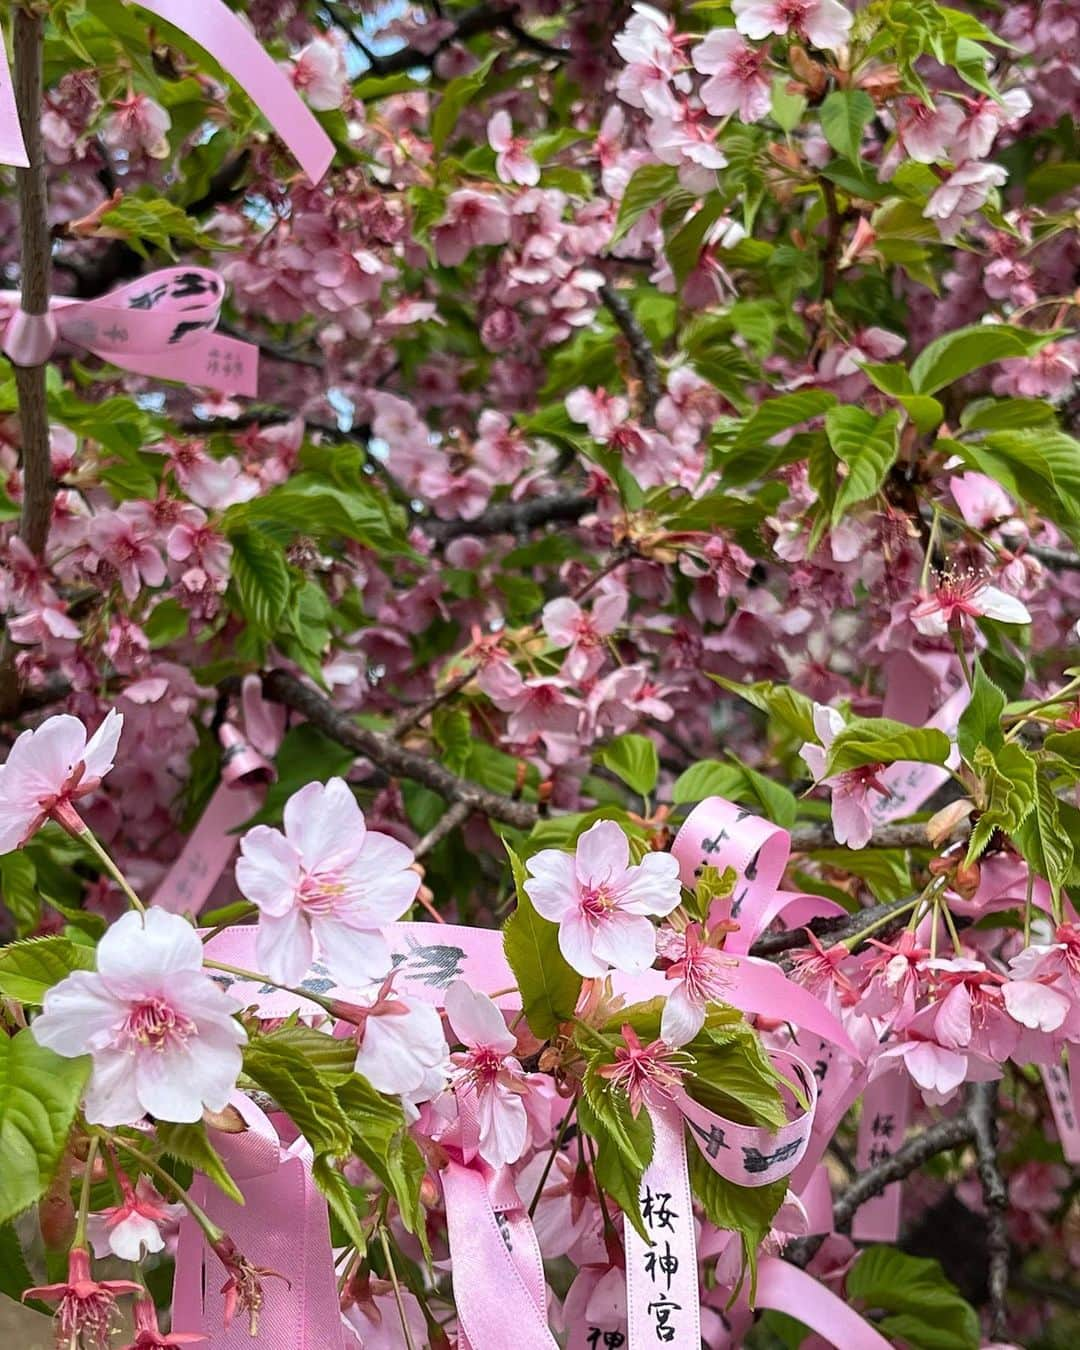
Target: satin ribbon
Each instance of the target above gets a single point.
(186, 886)
(282, 1226)
(161, 325)
(788, 1289)
(235, 48)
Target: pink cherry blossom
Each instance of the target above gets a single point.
(86, 1313)
(139, 125)
(374, 1321)
(121, 540)
(50, 768)
(320, 75)
(600, 411)
(473, 219)
(853, 821)
(585, 634)
(825, 23)
(962, 194)
(702, 975)
(513, 162)
(149, 1336)
(568, 1218)
(926, 131)
(738, 82)
(133, 1227)
(401, 1048)
(488, 1070)
(159, 1031)
(983, 118)
(324, 887)
(602, 903)
(957, 599)
(647, 1074)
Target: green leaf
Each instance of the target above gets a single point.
(777, 801)
(342, 1199)
(867, 445)
(879, 740)
(787, 108)
(980, 723)
(844, 116)
(648, 185)
(924, 1310)
(1046, 847)
(39, 1096)
(1009, 780)
(334, 1057)
(456, 97)
(624, 1145)
(779, 701)
(884, 870)
(780, 414)
(15, 1275)
(746, 1210)
(144, 218)
(18, 886)
(301, 1091)
(381, 1138)
(957, 354)
(549, 986)
(708, 778)
(634, 760)
(261, 579)
(191, 1144)
(29, 969)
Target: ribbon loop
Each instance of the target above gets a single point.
(224, 35)
(161, 325)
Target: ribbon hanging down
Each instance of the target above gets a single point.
(235, 48)
(161, 325)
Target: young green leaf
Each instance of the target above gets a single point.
(549, 986)
(634, 760)
(29, 969)
(980, 723)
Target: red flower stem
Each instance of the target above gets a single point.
(210, 1229)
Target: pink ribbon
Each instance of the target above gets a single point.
(186, 886)
(886, 1109)
(495, 1260)
(235, 48)
(788, 1289)
(161, 325)
(283, 1226)
(1061, 1088)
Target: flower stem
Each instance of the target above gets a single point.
(210, 1229)
(256, 978)
(563, 1127)
(391, 1268)
(79, 1240)
(856, 938)
(97, 849)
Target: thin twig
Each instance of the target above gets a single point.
(982, 1110)
(835, 929)
(640, 349)
(281, 687)
(513, 517)
(807, 838)
(447, 823)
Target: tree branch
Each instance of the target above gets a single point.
(481, 19)
(35, 262)
(640, 349)
(835, 929)
(454, 816)
(513, 517)
(807, 838)
(1057, 558)
(35, 247)
(982, 1111)
(281, 687)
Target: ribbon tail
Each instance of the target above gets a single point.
(12, 145)
(496, 1269)
(283, 1226)
(662, 1280)
(787, 1289)
(206, 360)
(188, 883)
(237, 50)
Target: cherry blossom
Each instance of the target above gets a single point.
(149, 1336)
(957, 599)
(133, 1227)
(139, 125)
(488, 1071)
(584, 633)
(513, 162)
(602, 903)
(159, 1031)
(401, 1047)
(646, 1073)
(49, 769)
(825, 23)
(86, 1312)
(962, 194)
(319, 73)
(702, 975)
(324, 887)
(738, 82)
(852, 817)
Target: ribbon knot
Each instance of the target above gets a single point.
(161, 325)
